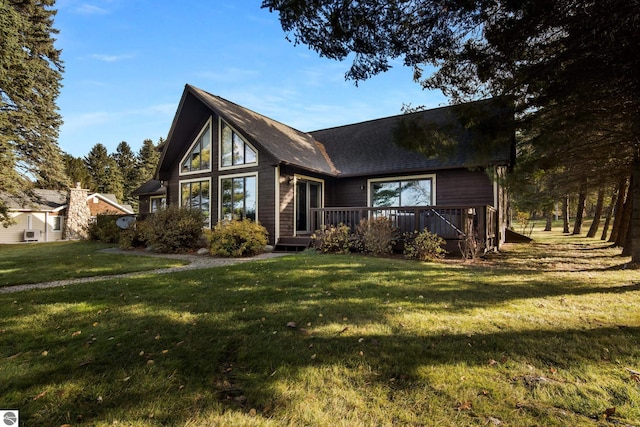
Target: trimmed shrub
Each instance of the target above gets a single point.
(376, 236)
(104, 229)
(424, 246)
(333, 239)
(238, 238)
(174, 229)
(136, 236)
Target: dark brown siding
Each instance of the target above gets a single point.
(350, 192)
(453, 187)
(287, 191)
(144, 204)
(266, 194)
(464, 188)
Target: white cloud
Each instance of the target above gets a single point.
(111, 58)
(90, 9)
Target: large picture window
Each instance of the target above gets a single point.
(197, 195)
(199, 156)
(238, 197)
(234, 150)
(402, 192)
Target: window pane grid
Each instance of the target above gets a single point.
(199, 158)
(235, 151)
(196, 195)
(238, 198)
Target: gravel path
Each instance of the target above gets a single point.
(195, 262)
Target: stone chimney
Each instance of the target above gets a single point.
(76, 225)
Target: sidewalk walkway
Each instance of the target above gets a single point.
(195, 262)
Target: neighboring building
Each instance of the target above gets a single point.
(152, 195)
(232, 162)
(44, 217)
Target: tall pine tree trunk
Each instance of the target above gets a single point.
(633, 242)
(597, 214)
(549, 222)
(582, 200)
(619, 209)
(610, 213)
(625, 220)
(565, 215)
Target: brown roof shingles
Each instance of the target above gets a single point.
(358, 149)
(369, 147)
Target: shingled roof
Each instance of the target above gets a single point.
(40, 200)
(288, 145)
(43, 200)
(371, 147)
(358, 149)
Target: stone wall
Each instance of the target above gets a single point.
(76, 224)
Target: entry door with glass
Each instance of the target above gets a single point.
(308, 196)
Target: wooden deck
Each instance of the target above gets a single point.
(452, 223)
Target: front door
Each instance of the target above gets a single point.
(308, 196)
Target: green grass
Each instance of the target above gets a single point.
(541, 334)
(44, 262)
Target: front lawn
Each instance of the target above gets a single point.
(542, 334)
(46, 262)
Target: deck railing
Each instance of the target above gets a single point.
(448, 222)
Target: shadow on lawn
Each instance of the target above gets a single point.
(239, 368)
(566, 257)
(182, 344)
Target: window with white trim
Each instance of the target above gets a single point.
(197, 195)
(198, 158)
(234, 150)
(238, 197)
(402, 192)
(157, 203)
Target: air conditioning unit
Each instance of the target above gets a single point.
(31, 235)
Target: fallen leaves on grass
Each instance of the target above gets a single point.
(464, 406)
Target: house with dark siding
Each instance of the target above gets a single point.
(235, 163)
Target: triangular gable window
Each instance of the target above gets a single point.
(199, 157)
(234, 150)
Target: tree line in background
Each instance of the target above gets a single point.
(118, 173)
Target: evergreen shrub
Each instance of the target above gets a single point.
(238, 238)
(174, 229)
(104, 229)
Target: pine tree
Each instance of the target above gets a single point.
(129, 167)
(148, 158)
(77, 171)
(105, 173)
(30, 80)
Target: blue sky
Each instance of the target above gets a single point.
(127, 61)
